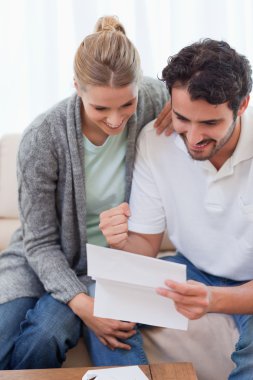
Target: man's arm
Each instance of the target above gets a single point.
(194, 299)
(233, 300)
(114, 225)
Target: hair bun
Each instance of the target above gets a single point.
(109, 23)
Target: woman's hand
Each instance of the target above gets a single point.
(109, 331)
(114, 225)
(163, 122)
(191, 298)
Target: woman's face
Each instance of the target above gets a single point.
(107, 109)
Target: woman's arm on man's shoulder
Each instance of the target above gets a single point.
(154, 103)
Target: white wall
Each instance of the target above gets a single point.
(38, 39)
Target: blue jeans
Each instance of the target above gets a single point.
(243, 354)
(36, 333)
(101, 355)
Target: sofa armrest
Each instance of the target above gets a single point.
(7, 227)
(8, 182)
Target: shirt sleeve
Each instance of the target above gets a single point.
(147, 212)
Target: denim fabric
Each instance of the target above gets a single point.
(242, 357)
(36, 333)
(101, 355)
(243, 354)
(11, 315)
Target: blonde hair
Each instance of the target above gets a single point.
(107, 57)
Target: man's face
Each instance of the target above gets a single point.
(207, 130)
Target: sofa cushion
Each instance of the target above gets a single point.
(8, 182)
(207, 344)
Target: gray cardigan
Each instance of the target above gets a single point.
(49, 252)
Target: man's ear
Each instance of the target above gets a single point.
(243, 106)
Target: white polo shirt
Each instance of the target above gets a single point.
(208, 213)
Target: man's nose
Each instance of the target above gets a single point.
(194, 135)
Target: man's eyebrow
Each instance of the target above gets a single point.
(199, 121)
(179, 115)
(122, 105)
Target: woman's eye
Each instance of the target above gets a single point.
(100, 108)
(127, 105)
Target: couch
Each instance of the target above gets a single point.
(209, 341)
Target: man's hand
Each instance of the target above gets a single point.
(191, 298)
(163, 122)
(114, 225)
(108, 331)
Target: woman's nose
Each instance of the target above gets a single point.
(114, 120)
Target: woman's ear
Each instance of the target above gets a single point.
(77, 87)
(243, 106)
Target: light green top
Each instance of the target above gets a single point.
(105, 181)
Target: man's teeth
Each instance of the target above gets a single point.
(203, 144)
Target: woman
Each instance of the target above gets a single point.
(74, 161)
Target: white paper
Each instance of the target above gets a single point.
(126, 284)
(117, 373)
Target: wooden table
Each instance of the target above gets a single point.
(161, 371)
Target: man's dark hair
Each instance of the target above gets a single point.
(211, 70)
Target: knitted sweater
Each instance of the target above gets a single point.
(48, 253)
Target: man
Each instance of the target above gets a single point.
(199, 185)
